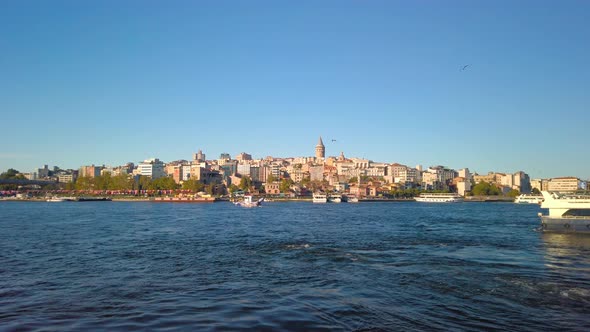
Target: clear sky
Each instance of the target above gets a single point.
(109, 82)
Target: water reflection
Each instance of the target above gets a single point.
(567, 252)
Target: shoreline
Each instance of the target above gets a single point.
(470, 199)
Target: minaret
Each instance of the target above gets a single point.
(320, 149)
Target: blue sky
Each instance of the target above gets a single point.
(111, 82)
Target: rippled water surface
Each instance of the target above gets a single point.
(288, 266)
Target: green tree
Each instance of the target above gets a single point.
(536, 191)
(353, 180)
(121, 182)
(163, 183)
(193, 185)
(485, 189)
(84, 183)
(245, 183)
(233, 188)
(11, 173)
(513, 193)
(143, 182)
(103, 182)
(285, 185)
(271, 178)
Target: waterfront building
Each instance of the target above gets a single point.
(272, 188)
(43, 172)
(395, 170)
(377, 169)
(537, 184)
(361, 163)
(243, 156)
(462, 184)
(65, 178)
(30, 176)
(521, 182)
(464, 173)
(244, 169)
(408, 175)
(316, 173)
(89, 171)
(565, 184)
(491, 177)
(320, 149)
(199, 156)
(152, 167)
(438, 177)
(205, 175)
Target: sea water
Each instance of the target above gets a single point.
(288, 266)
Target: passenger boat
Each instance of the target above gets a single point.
(352, 199)
(528, 199)
(335, 198)
(439, 198)
(567, 212)
(320, 198)
(184, 199)
(249, 202)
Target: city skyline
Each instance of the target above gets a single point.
(109, 83)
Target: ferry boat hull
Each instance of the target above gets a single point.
(439, 198)
(567, 213)
(577, 225)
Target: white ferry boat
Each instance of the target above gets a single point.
(567, 212)
(320, 198)
(335, 198)
(353, 199)
(439, 198)
(528, 199)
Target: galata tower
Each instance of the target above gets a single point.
(320, 149)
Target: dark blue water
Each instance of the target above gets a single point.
(288, 266)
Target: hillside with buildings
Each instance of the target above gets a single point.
(295, 176)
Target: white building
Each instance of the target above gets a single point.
(564, 184)
(153, 168)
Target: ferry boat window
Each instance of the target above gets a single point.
(578, 213)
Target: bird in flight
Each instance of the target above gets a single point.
(333, 140)
(464, 67)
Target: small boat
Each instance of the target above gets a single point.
(528, 199)
(249, 202)
(320, 198)
(567, 212)
(439, 198)
(57, 199)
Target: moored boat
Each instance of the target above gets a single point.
(319, 197)
(439, 198)
(352, 199)
(335, 198)
(567, 212)
(184, 199)
(56, 199)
